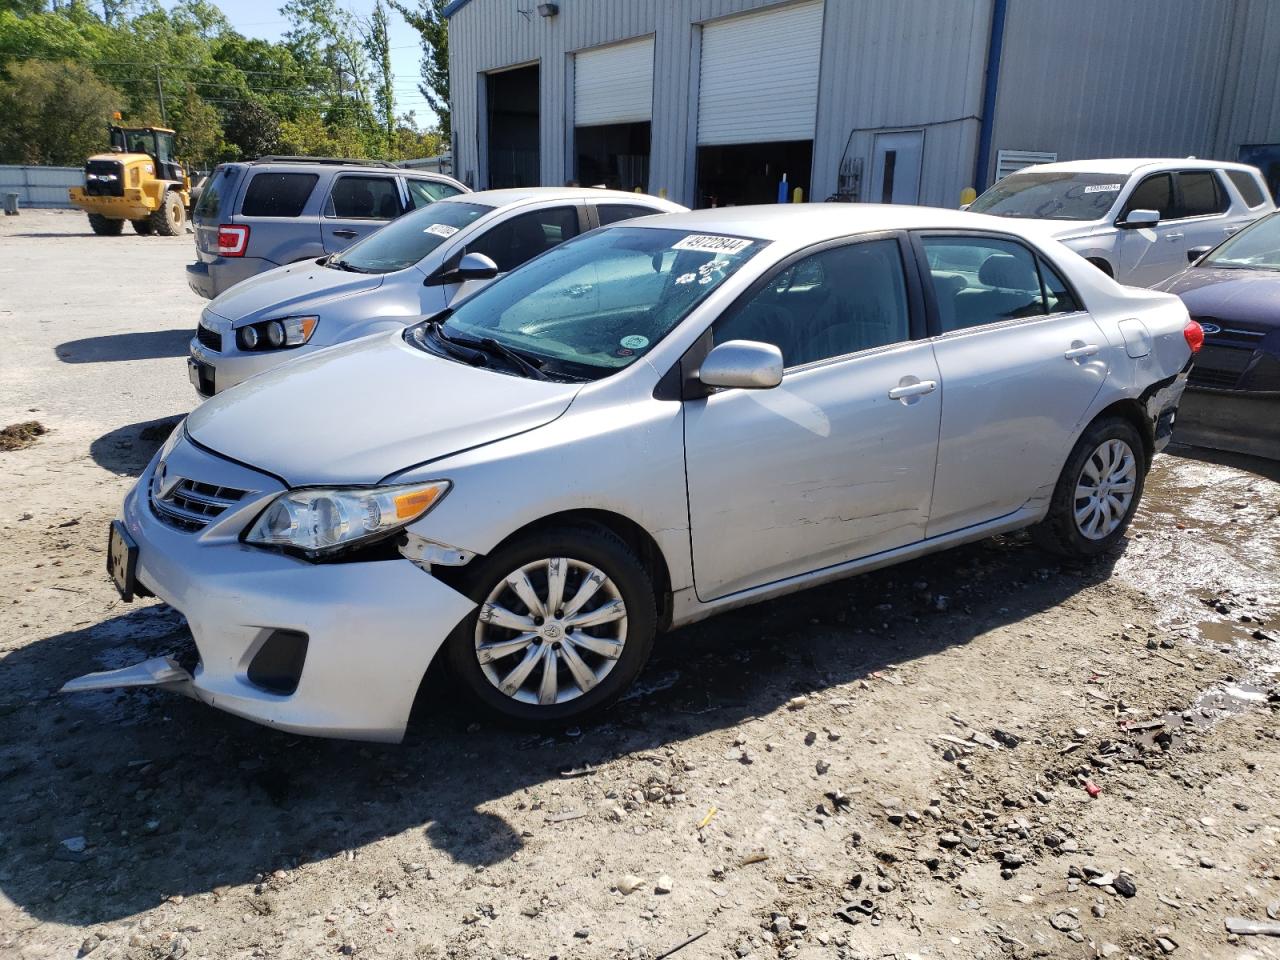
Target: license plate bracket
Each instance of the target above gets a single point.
(201, 376)
(122, 561)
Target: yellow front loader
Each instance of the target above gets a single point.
(139, 181)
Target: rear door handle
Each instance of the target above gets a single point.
(1229, 231)
(347, 234)
(917, 389)
(1084, 350)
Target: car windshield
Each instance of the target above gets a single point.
(1256, 247)
(598, 303)
(404, 242)
(1052, 196)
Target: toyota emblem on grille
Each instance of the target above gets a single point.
(164, 483)
(1210, 328)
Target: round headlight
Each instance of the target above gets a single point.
(249, 338)
(275, 333)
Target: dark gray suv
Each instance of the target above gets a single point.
(272, 211)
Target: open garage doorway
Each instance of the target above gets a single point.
(514, 146)
(736, 173)
(615, 155)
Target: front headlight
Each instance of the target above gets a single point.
(324, 521)
(277, 334)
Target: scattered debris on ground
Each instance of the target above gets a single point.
(18, 435)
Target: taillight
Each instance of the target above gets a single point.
(1194, 334)
(233, 238)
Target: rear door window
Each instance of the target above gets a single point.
(425, 192)
(981, 280)
(365, 198)
(613, 212)
(1153, 193)
(1200, 194)
(1248, 186)
(278, 194)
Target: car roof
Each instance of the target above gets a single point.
(815, 222)
(1131, 165)
(510, 195)
(347, 166)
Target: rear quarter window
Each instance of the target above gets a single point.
(1247, 184)
(277, 194)
(210, 198)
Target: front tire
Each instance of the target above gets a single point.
(143, 228)
(105, 226)
(564, 624)
(168, 220)
(1097, 493)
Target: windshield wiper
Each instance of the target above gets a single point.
(454, 348)
(343, 265)
(523, 363)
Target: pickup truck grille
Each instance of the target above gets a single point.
(190, 505)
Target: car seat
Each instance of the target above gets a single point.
(1013, 290)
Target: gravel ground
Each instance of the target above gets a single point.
(986, 753)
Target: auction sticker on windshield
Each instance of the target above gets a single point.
(710, 244)
(441, 230)
(635, 342)
(1102, 188)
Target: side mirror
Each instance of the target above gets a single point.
(472, 266)
(1137, 219)
(1195, 253)
(742, 363)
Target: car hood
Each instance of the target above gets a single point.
(1064, 230)
(1229, 294)
(285, 291)
(359, 412)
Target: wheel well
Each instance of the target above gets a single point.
(1133, 411)
(630, 533)
(1102, 265)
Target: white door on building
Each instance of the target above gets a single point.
(613, 84)
(895, 167)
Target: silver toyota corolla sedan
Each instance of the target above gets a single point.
(647, 425)
(416, 265)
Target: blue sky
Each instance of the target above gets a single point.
(254, 18)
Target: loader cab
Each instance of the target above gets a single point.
(155, 142)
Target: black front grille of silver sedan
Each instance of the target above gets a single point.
(191, 505)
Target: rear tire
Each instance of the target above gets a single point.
(590, 665)
(105, 226)
(1097, 493)
(143, 228)
(168, 220)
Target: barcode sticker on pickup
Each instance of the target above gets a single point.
(441, 230)
(706, 243)
(1102, 188)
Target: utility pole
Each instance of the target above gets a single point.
(164, 117)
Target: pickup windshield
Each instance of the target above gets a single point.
(598, 303)
(404, 242)
(1052, 196)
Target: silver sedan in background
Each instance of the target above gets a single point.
(416, 265)
(645, 426)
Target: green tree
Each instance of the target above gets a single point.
(429, 20)
(377, 42)
(252, 128)
(200, 138)
(55, 113)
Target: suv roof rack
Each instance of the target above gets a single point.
(335, 161)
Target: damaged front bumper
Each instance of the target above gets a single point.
(335, 649)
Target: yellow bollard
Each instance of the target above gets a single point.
(797, 195)
(967, 196)
(662, 192)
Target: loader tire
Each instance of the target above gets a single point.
(105, 226)
(143, 228)
(169, 219)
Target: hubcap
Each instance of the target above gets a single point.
(551, 631)
(1105, 488)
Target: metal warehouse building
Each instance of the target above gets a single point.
(716, 102)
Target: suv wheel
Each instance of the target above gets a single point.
(1097, 493)
(168, 220)
(105, 226)
(565, 623)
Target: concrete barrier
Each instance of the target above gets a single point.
(40, 187)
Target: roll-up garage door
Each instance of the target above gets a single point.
(613, 84)
(759, 79)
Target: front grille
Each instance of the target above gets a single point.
(209, 338)
(104, 178)
(1219, 366)
(190, 505)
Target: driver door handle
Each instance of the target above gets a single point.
(347, 234)
(913, 390)
(1085, 350)
(1174, 236)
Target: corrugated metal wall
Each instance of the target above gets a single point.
(1099, 78)
(1088, 78)
(40, 186)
